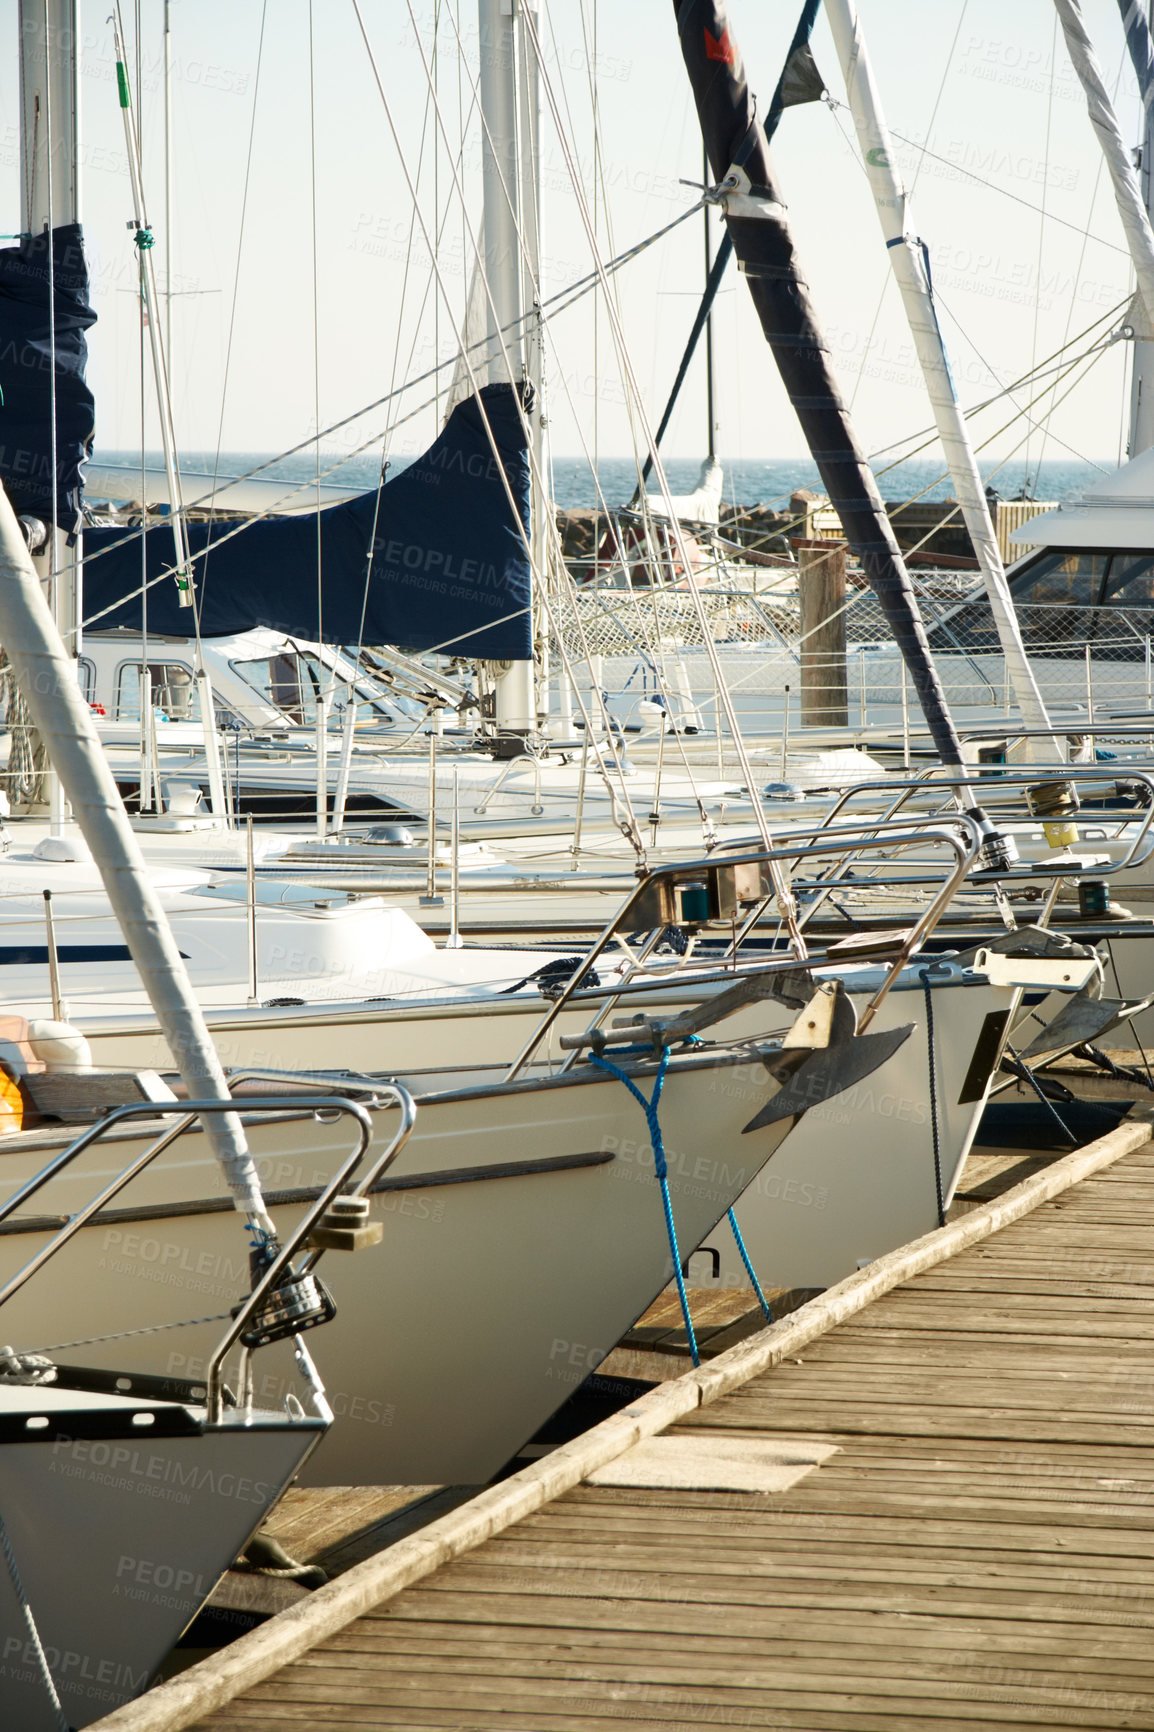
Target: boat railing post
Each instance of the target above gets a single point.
(784, 740)
(454, 940)
(861, 695)
(59, 1006)
(1147, 670)
(231, 784)
(144, 791)
(655, 809)
(340, 798)
(250, 887)
(905, 721)
(430, 899)
(212, 744)
(324, 699)
(575, 845)
(1090, 695)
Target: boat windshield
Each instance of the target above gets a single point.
(1066, 598)
(293, 679)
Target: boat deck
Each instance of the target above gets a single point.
(977, 1550)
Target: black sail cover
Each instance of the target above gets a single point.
(735, 138)
(436, 559)
(26, 374)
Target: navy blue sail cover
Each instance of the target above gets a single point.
(26, 374)
(449, 566)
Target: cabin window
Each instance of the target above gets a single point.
(1131, 580)
(290, 682)
(1062, 580)
(1065, 599)
(173, 691)
(293, 681)
(86, 678)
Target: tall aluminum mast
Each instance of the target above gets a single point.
(501, 180)
(911, 272)
(50, 198)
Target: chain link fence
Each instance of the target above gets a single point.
(1091, 663)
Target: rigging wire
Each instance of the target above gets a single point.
(1077, 275)
(558, 561)
(888, 278)
(629, 824)
(601, 206)
(235, 284)
(786, 903)
(990, 185)
(268, 511)
(1026, 490)
(557, 303)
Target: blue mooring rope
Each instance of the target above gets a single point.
(695, 1040)
(749, 1269)
(649, 1108)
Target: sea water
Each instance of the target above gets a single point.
(765, 481)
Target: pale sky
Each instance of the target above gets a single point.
(984, 84)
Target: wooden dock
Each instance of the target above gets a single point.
(977, 1551)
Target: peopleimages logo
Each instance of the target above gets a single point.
(432, 561)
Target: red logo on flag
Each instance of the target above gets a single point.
(720, 48)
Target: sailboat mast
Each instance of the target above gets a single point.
(1137, 20)
(50, 198)
(541, 505)
(911, 272)
(501, 184)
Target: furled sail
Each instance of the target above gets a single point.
(736, 145)
(27, 353)
(435, 560)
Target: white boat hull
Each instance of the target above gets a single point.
(524, 1234)
(857, 1179)
(120, 1532)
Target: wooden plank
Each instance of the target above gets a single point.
(689, 1705)
(310, 1522)
(784, 1719)
(1081, 1575)
(686, 1621)
(961, 1599)
(254, 1717)
(824, 1640)
(695, 1677)
(999, 1423)
(889, 1548)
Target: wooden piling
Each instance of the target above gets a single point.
(821, 594)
